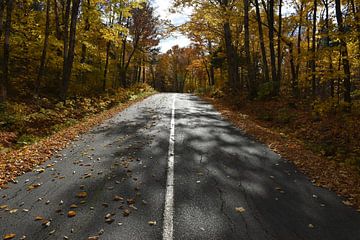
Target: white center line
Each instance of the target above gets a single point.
(168, 227)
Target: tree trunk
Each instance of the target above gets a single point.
(298, 62)
(250, 71)
(231, 56)
(106, 64)
(313, 51)
(279, 73)
(68, 62)
(294, 77)
(211, 70)
(5, 75)
(122, 71)
(275, 81)
(66, 46)
(44, 51)
(262, 43)
(144, 72)
(2, 8)
(57, 21)
(344, 54)
(86, 29)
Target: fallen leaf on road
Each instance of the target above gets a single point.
(347, 203)
(109, 220)
(9, 236)
(13, 210)
(118, 198)
(81, 194)
(126, 212)
(3, 206)
(38, 218)
(33, 186)
(71, 214)
(152, 223)
(72, 206)
(240, 209)
(41, 170)
(94, 238)
(46, 223)
(311, 226)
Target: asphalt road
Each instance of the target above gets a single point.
(226, 185)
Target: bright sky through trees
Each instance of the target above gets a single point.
(162, 8)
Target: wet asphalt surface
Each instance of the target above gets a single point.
(227, 186)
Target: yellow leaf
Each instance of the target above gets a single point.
(9, 236)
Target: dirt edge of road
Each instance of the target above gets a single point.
(17, 162)
(343, 179)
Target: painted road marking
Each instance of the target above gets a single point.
(168, 227)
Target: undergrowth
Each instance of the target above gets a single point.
(23, 123)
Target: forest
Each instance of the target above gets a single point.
(292, 64)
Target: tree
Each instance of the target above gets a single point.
(250, 70)
(44, 51)
(5, 68)
(144, 31)
(344, 53)
(69, 43)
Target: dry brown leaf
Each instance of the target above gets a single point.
(126, 212)
(71, 214)
(118, 198)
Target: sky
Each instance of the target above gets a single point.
(162, 9)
